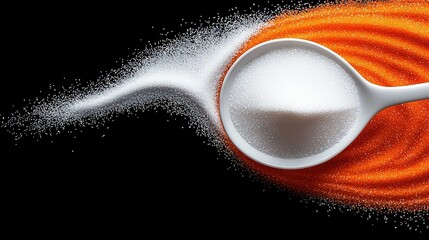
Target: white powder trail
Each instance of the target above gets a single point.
(180, 74)
(195, 78)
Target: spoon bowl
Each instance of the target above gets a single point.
(371, 99)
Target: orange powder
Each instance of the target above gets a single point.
(387, 166)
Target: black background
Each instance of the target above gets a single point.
(143, 172)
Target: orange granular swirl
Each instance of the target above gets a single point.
(387, 166)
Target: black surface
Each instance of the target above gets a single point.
(140, 173)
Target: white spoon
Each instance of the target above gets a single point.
(372, 99)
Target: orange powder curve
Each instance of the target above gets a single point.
(387, 166)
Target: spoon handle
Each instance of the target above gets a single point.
(389, 96)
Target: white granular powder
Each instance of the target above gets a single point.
(180, 74)
(293, 103)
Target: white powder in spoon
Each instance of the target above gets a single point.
(293, 103)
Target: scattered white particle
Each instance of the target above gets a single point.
(179, 74)
(407, 220)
